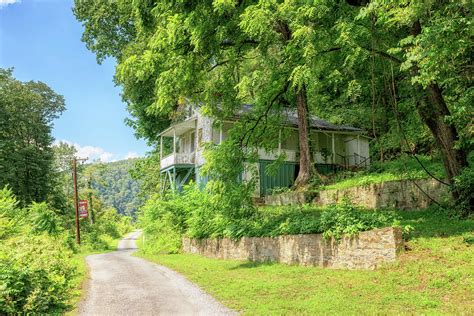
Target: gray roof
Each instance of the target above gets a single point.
(315, 122)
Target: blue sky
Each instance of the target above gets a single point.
(42, 40)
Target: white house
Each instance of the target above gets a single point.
(335, 148)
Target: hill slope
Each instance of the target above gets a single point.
(116, 188)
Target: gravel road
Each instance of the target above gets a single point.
(121, 284)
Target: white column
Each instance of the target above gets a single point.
(333, 149)
(358, 148)
(174, 141)
(316, 147)
(195, 141)
(161, 147)
(279, 142)
(220, 134)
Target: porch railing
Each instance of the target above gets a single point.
(177, 159)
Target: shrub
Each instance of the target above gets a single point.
(35, 275)
(10, 218)
(163, 222)
(346, 219)
(464, 186)
(43, 219)
(198, 214)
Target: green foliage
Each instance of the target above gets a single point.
(113, 184)
(108, 226)
(464, 184)
(358, 62)
(35, 275)
(405, 167)
(146, 171)
(195, 214)
(10, 219)
(346, 219)
(43, 219)
(27, 110)
(432, 276)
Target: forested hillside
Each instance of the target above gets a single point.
(115, 186)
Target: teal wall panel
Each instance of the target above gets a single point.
(283, 178)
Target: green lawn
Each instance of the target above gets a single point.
(434, 276)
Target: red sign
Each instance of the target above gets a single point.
(83, 209)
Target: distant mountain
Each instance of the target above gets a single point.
(115, 186)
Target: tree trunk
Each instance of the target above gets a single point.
(306, 166)
(433, 111)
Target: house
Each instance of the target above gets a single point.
(335, 148)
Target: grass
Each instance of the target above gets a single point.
(399, 169)
(434, 276)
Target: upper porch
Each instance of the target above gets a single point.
(181, 145)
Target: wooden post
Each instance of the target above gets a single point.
(76, 200)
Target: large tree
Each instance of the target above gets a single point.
(381, 64)
(27, 110)
(429, 50)
(218, 53)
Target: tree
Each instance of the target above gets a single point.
(26, 157)
(380, 64)
(427, 34)
(218, 53)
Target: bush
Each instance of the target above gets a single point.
(10, 219)
(196, 214)
(346, 219)
(163, 222)
(35, 275)
(43, 219)
(464, 186)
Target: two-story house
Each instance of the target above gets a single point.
(334, 148)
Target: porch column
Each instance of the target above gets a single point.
(316, 147)
(195, 141)
(279, 142)
(161, 147)
(220, 134)
(333, 150)
(358, 148)
(174, 141)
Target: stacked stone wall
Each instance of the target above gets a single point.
(404, 194)
(367, 250)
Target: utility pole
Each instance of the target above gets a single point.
(76, 197)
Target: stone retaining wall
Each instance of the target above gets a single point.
(289, 198)
(367, 250)
(399, 194)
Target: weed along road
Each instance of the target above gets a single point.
(121, 284)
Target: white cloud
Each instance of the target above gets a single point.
(94, 153)
(131, 154)
(4, 3)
